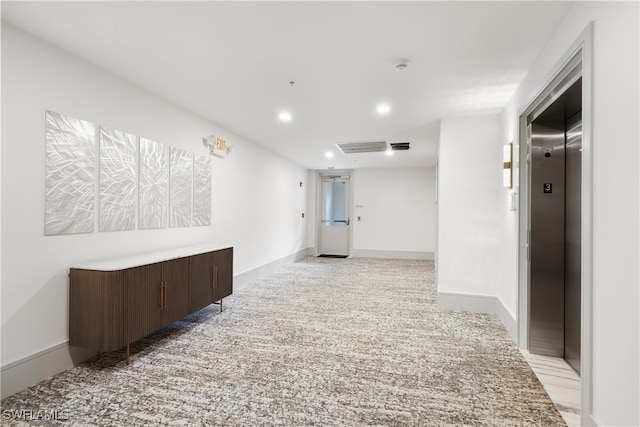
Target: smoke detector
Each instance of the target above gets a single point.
(404, 63)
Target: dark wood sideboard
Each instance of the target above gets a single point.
(116, 302)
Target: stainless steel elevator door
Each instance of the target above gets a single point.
(572, 241)
(555, 227)
(546, 298)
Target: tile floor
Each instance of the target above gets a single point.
(561, 382)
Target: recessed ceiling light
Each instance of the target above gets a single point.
(285, 116)
(328, 154)
(383, 109)
(389, 152)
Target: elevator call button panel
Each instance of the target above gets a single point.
(548, 188)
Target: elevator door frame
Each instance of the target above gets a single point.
(578, 59)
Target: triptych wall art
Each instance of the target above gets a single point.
(125, 176)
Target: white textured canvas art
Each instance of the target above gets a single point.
(201, 190)
(117, 180)
(70, 175)
(180, 188)
(153, 185)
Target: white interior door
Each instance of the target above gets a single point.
(334, 218)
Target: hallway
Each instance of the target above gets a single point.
(320, 342)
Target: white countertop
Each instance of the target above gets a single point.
(137, 260)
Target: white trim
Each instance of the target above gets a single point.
(248, 276)
(586, 336)
(510, 323)
(374, 253)
(40, 353)
(590, 421)
(27, 371)
(467, 302)
(480, 304)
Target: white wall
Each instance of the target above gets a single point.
(507, 282)
(311, 209)
(396, 209)
(615, 231)
(257, 201)
(469, 206)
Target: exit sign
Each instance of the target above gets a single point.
(220, 148)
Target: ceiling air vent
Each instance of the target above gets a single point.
(400, 146)
(362, 147)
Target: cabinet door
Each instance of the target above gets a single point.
(143, 293)
(224, 265)
(95, 309)
(175, 275)
(201, 281)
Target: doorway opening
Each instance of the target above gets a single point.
(555, 187)
(334, 234)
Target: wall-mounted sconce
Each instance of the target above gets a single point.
(217, 147)
(507, 159)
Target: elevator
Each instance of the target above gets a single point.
(555, 224)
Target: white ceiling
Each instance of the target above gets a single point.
(231, 62)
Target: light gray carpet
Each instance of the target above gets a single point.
(323, 342)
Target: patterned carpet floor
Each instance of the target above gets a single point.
(322, 342)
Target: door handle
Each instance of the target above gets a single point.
(348, 220)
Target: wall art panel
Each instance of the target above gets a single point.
(180, 188)
(70, 175)
(201, 190)
(117, 180)
(153, 199)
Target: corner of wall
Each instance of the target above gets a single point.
(510, 323)
(480, 304)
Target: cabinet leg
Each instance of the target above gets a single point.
(128, 353)
(220, 305)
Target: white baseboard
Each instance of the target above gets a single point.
(589, 420)
(372, 253)
(255, 273)
(510, 323)
(480, 304)
(27, 371)
(467, 302)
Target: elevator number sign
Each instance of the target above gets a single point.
(548, 188)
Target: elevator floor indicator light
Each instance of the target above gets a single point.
(548, 188)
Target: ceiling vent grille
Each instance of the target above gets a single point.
(399, 146)
(362, 147)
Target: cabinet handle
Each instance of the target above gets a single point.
(214, 277)
(165, 296)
